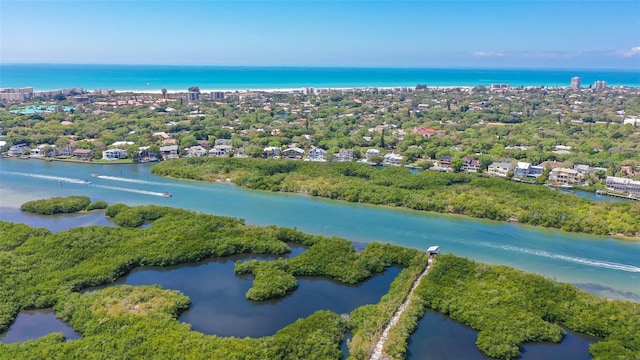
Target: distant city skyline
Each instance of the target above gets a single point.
(413, 34)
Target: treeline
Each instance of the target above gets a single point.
(510, 307)
(331, 257)
(472, 195)
(126, 322)
(40, 269)
(58, 205)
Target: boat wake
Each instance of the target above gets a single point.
(573, 259)
(143, 192)
(47, 177)
(137, 181)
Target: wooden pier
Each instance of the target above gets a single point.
(629, 197)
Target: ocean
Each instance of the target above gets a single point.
(44, 77)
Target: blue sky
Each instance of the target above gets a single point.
(548, 34)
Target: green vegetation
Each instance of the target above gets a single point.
(40, 269)
(471, 195)
(368, 321)
(126, 322)
(97, 205)
(331, 257)
(57, 205)
(510, 307)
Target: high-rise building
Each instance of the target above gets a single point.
(575, 83)
(600, 85)
(193, 93)
(215, 95)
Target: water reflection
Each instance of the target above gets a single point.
(33, 324)
(218, 303)
(55, 223)
(440, 337)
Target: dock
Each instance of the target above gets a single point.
(629, 197)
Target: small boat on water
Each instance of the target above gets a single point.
(95, 174)
(166, 194)
(86, 181)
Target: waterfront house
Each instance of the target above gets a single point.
(83, 154)
(317, 154)
(371, 153)
(114, 154)
(392, 159)
(66, 151)
(499, 169)
(39, 151)
(220, 150)
(293, 153)
(196, 151)
(564, 176)
(169, 151)
(522, 170)
(16, 150)
(623, 185)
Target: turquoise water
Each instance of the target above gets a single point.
(148, 77)
(603, 266)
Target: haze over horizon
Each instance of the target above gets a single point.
(401, 34)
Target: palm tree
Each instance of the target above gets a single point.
(164, 93)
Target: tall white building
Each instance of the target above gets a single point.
(600, 85)
(575, 83)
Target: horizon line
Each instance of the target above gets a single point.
(413, 67)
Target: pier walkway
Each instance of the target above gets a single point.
(378, 350)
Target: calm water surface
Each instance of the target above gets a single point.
(33, 324)
(439, 337)
(604, 266)
(219, 307)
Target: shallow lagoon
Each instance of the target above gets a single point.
(440, 337)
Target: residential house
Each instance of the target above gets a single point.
(392, 159)
(470, 164)
(16, 150)
(500, 169)
(114, 154)
(83, 154)
(317, 154)
(293, 153)
(371, 153)
(564, 176)
(272, 152)
(522, 170)
(66, 151)
(623, 184)
(344, 155)
(169, 151)
(196, 151)
(445, 161)
(40, 150)
(220, 150)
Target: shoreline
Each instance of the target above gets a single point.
(245, 90)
